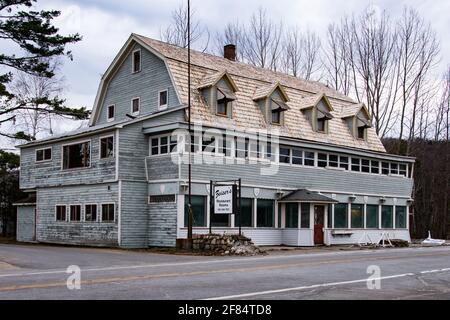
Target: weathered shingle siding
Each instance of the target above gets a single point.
(145, 84)
(25, 223)
(304, 177)
(162, 225)
(47, 174)
(134, 214)
(80, 233)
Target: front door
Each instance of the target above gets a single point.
(319, 218)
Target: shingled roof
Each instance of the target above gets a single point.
(251, 80)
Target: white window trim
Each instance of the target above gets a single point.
(132, 61)
(81, 212)
(139, 106)
(72, 143)
(61, 205)
(100, 218)
(45, 160)
(164, 106)
(100, 146)
(108, 119)
(84, 212)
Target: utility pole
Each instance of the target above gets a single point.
(189, 235)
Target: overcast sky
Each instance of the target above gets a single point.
(106, 24)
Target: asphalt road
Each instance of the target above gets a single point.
(39, 272)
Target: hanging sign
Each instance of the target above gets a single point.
(224, 199)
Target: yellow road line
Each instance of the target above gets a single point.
(205, 272)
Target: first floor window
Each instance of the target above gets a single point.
(44, 154)
(108, 212)
(340, 215)
(357, 215)
(198, 211)
(106, 147)
(372, 216)
(265, 213)
(75, 213)
(386, 217)
(60, 213)
(400, 217)
(291, 215)
(246, 212)
(77, 155)
(220, 220)
(305, 215)
(90, 212)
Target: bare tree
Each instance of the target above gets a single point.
(262, 44)
(27, 87)
(177, 32)
(442, 127)
(418, 50)
(234, 33)
(301, 54)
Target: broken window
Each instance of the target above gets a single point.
(90, 212)
(106, 147)
(136, 61)
(75, 213)
(77, 155)
(60, 213)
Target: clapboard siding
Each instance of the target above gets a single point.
(304, 177)
(162, 224)
(162, 167)
(134, 214)
(164, 119)
(80, 233)
(145, 84)
(133, 149)
(25, 223)
(48, 174)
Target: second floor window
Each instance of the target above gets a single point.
(162, 100)
(107, 147)
(43, 154)
(110, 111)
(135, 106)
(77, 155)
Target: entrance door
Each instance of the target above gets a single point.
(319, 218)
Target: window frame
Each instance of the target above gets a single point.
(56, 212)
(135, 113)
(43, 149)
(70, 212)
(278, 123)
(110, 119)
(133, 71)
(96, 212)
(100, 218)
(164, 106)
(73, 143)
(100, 146)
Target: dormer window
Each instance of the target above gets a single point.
(218, 92)
(358, 120)
(136, 61)
(272, 101)
(225, 97)
(317, 110)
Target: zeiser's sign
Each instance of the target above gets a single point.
(223, 199)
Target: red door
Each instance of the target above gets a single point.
(319, 218)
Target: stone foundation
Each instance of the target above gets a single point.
(215, 244)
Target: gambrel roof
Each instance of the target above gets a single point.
(254, 82)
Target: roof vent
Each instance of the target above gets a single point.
(229, 52)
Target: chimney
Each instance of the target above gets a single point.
(229, 52)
